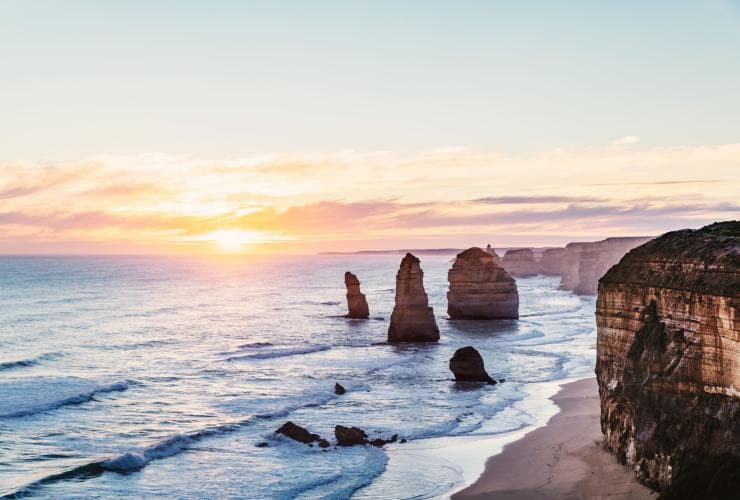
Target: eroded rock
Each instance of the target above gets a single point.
(480, 289)
(668, 361)
(356, 301)
(467, 366)
(520, 263)
(298, 433)
(412, 319)
(349, 436)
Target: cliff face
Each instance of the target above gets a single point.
(412, 319)
(480, 289)
(520, 262)
(492, 251)
(583, 263)
(552, 261)
(668, 361)
(356, 301)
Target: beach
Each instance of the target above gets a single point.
(563, 459)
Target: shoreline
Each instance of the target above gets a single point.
(561, 459)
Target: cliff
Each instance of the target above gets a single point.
(412, 319)
(668, 361)
(520, 262)
(551, 261)
(480, 289)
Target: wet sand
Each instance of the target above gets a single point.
(563, 459)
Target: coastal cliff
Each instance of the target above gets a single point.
(480, 289)
(668, 361)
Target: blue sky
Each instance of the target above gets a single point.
(81, 78)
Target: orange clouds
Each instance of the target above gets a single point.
(166, 203)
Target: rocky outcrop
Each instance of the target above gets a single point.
(520, 263)
(300, 434)
(551, 262)
(356, 302)
(492, 251)
(339, 389)
(353, 436)
(569, 265)
(467, 366)
(480, 289)
(412, 319)
(668, 361)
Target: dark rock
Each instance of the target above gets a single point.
(403, 441)
(467, 365)
(338, 389)
(323, 443)
(262, 445)
(297, 433)
(349, 436)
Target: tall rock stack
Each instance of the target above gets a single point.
(412, 319)
(569, 265)
(520, 262)
(668, 361)
(480, 289)
(356, 302)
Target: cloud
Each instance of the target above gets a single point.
(627, 140)
(533, 200)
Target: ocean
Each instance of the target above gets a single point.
(151, 376)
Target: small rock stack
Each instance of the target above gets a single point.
(356, 301)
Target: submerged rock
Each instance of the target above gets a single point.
(356, 301)
(520, 262)
(298, 433)
(412, 319)
(467, 366)
(480, 289)
(339, 389)
(349, 436)
(668, 361)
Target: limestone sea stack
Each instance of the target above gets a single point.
(520, 262)
(480, 289)
(412, 319)
(356, 302)
(492, 251)
(596, 259)
(668, 361)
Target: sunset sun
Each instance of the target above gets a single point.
(233, 240)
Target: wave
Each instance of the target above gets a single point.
(72, 400)
(255, 345)
(280, 353)
(9, 365)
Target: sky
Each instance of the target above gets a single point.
(298, 127)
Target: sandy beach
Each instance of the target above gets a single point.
(563, 459)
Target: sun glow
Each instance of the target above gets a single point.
(233, 240)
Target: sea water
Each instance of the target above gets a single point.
(144, 376)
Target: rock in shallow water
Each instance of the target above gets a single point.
(668, 361)
(467, 366)
(349, 436)
(298, 433)
(412, 319)
(356, 301)
(480, 289)
(339, 389)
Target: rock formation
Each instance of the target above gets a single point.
(552, 261)
(520, 263)
(412, 319)
(349, 436)
(300, 434)
(480, 289)
(583, 263)
(492, 251)
(339, 389)
(467, 365)
(668, 361)
(596, 259)
(356, 302)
